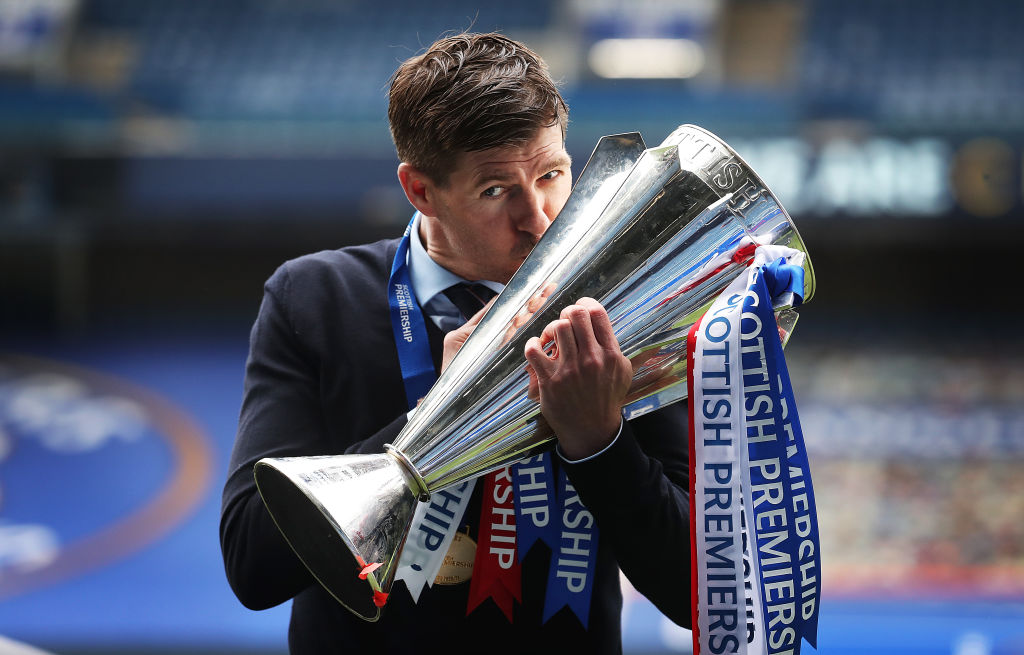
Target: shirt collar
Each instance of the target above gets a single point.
(427, 276)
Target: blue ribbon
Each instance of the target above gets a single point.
(777, 455)
(535, 496)
(782, 278)
(409, 328)
(574, 560)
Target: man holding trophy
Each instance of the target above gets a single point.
(348, 342)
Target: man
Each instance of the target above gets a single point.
(479, 127)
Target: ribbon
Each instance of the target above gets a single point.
(716, 538)
(571, 571)
(788, 559)
(408, 326)
(496, 568)
(754, 529)
(435, 523)
(535, 497)
(433, 528)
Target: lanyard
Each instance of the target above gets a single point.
(409, 327)
(435, 523)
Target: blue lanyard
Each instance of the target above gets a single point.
(409, 328)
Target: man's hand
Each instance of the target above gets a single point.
(453, 340)
(583, 383)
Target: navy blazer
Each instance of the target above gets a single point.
(323, 377)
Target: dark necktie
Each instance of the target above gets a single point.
(469, 297)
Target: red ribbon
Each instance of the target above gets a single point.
(743, 255)
(496, 568)
(691, 341)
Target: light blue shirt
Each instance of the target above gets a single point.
(430, 279)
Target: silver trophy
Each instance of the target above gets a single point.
(654, 235)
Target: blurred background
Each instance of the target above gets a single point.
(159, 159)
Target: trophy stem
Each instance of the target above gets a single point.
(421, 486)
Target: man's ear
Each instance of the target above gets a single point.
(419, 188)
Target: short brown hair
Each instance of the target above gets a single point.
(466, 93)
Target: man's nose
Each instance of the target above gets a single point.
(531, 212)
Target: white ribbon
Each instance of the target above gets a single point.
(433, 527)
(729, 616)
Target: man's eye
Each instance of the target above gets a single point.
(550, 175)
(493, 192)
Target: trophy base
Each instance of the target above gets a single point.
(306, 497)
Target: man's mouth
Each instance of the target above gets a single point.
(524, 249)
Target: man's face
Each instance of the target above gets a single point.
(496, 206)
